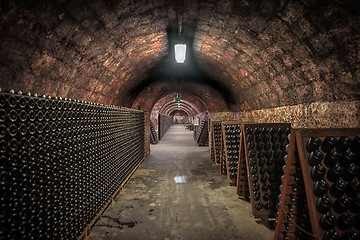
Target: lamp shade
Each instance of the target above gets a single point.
(180, 53)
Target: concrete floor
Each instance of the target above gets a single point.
(177, 193)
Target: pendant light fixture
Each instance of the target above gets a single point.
(180, 53)
(179, 47)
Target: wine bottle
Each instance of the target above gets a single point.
(355, 145)
(351, 172)
(350, 235)
(343, 144)
(335, 172)
(353, 188)
(355, 205)
(320, 188)
(345, 222)
(317, 172)
(342, 204)
(328, 144)
(315, 157)
(313, 144)
(331, 158)
(327, 221)
(338, 188)
(323, 204)
(347, 158)
(331, 235)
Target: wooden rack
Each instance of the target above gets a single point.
(231, 135)
(332, 149)
(242, 180)
(293, 214)
(153, 134)
(265, 148)
(216, 141)
(202, 134)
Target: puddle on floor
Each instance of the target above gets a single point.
(180, 179)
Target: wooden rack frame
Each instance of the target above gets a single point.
(289, 220)
(230, 172)
(216, 146)
(261, 211)
(242, 175)
(302, 136)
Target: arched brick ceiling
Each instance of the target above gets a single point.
(171, 106)
(246, 54)
(191, 104)
(281, 54)
(185, 109)
(179, 113)
(198, 93)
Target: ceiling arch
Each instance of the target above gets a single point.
(179, 112)
(192, 105)
(186, 110)
(197, 93)
(188, 107)
(243, 55)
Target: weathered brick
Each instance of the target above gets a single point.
(248, 54)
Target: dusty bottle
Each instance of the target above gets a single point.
(331, 158)
(328, 144)
(335, 172)
(343, 144)
(345, 222)
(323, 204)
(351, 172)
(318, 172)
(315, 157)
(327, 221)
(338, 188)
(320, 188)
(313, 144)
(342, 204)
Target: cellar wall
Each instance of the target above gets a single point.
(249, 54)
(309, 115)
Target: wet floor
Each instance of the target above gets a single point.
(177, 193)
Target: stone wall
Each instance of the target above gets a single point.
(312, 115)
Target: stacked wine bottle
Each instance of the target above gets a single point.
(153, 135)
(265, 146)
(202, 136)
(164, 123)
(242, 181)
(61, 162)
(231, 136)
(333, 164)
(293, 220)
(223, 168)
(217, 141)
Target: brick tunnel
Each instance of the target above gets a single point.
(78, 77)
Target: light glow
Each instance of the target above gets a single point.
(180, 53)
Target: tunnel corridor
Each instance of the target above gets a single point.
(178, 193)
(90, 88)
